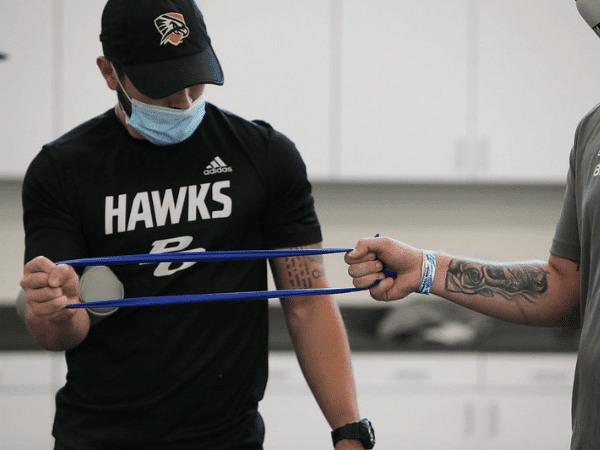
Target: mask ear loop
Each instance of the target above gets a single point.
(124, 101)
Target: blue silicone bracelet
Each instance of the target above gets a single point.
(429, 264)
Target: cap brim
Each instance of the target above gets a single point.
(161, 79)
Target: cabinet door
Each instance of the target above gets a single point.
(276, 61)
(527, 402)
(522, 421)
(537, 76)
(419, 401)
(83, 93)
(413, 402)
(27, 80)
(26, 400)
(403, 89)
(292, 417)
(421, 420)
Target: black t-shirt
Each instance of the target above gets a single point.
(178, 376)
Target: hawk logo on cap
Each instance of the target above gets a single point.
(172, 28)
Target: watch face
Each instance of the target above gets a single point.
(369, 430)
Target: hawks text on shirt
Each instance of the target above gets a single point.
(155, 208)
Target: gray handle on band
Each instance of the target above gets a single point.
(97, 283)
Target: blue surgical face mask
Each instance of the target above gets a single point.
(164, 126)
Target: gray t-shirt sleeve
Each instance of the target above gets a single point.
(566, 242)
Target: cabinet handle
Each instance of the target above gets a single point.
(410, 375)
(547, 375)
(280, 374)
(483, 155)
(469, 419)
(460, 155)
(494, 419)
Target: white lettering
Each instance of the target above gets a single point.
(140, 211)
(196, 202)
(119, 212)
(218, 170)
(597, 170)
(167, 206)
(176, 244)
(164, 207)
(221, 198)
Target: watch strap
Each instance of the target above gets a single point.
(361, 431)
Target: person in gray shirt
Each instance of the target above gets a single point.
(562, 292)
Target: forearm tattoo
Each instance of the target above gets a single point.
(527, 281)
(301, 271)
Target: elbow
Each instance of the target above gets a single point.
(570, 321)
(566, 320)
(310, 311)
(297, 309)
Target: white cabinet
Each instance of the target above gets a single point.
(82, 92)
(291, 415)
(526, 402)
(404, 89)
(384, 90)
(388, 90)
(26, 400)
(27, 80)
(419, 402)
(413, 402)
(49, 79)
(270, 73)
(462, 401)
(469, 90)
(536, 77)
(525, 421)
(276, 61)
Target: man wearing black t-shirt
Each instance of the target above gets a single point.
(165, 171)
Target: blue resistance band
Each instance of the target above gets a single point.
(237, 255)
(221, 297)
(234, 255)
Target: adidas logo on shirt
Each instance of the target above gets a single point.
(217, 166)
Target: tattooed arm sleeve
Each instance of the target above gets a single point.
(529, 293)
(511, 281)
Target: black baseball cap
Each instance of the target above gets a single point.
(161, 45)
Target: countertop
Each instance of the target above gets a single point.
(498, 336)
(362, 324)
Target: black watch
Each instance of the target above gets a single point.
(361, 431)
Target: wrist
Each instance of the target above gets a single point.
(349, 444)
